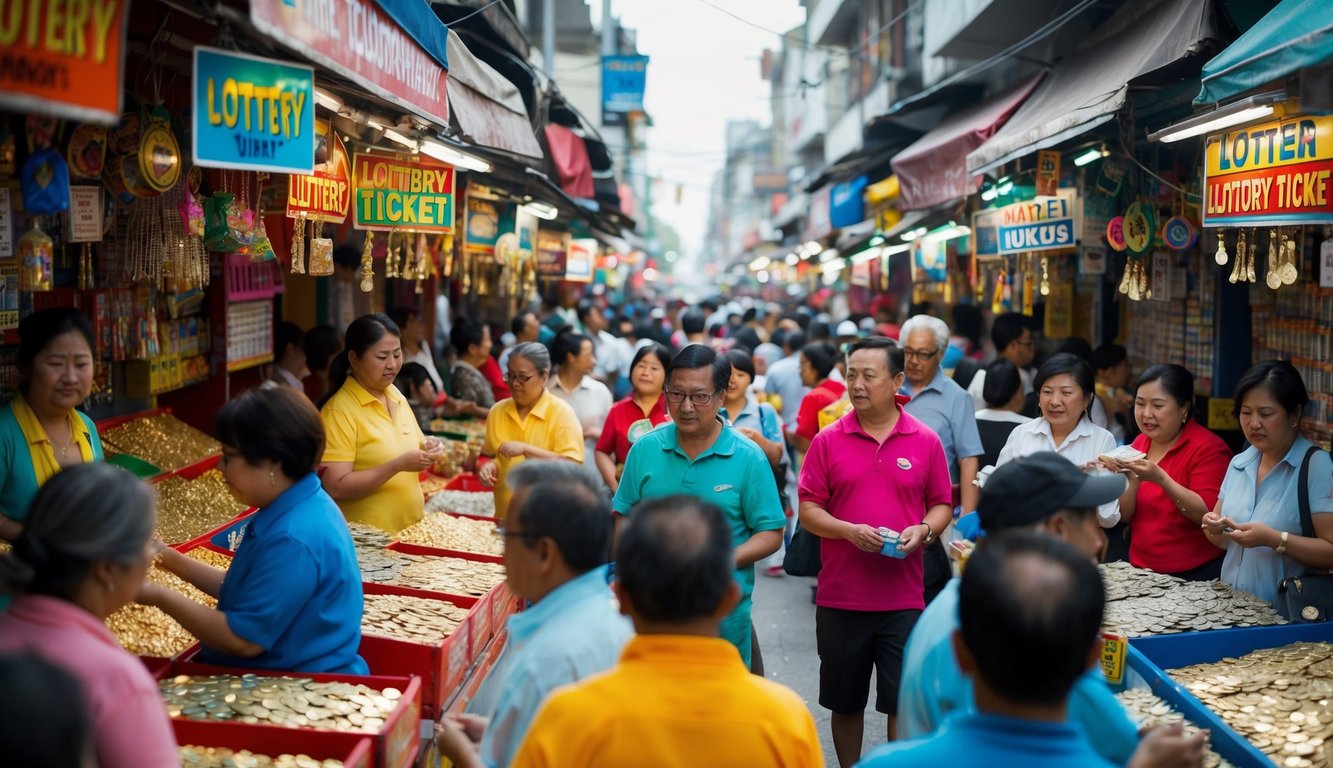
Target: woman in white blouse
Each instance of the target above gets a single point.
(1065, 388)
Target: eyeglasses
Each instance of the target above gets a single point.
(501, 532)
(919, 354)
(511, 379)
(698, 398)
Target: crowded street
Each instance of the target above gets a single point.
(626, 384)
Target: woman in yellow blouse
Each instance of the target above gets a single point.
(531, 424)
(375, 447)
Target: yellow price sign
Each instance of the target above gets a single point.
(1221, 414)
(1114, 648)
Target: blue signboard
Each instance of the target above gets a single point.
(252, 113)
(1045, 235)
(847, 203)
(624, 79)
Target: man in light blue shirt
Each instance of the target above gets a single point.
(1042, 493)
(557, 546)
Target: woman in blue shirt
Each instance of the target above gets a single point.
(1257, 517)
(292, 599)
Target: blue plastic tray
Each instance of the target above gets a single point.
(1151, 657)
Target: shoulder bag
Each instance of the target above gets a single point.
(1308, 598)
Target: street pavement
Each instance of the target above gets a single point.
(784, 617)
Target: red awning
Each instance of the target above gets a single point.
(933, 170)
(570, 156)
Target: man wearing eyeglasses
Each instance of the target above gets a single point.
(697, 454)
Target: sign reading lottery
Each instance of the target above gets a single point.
(415, 195)
(252, 113)
(1278, 173)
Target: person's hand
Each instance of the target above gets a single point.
(1167, 746)
(1143, 470)
(512, 448)
(414, 461)
(866, 538)
(458, 737)
(912, 537)
(433, 446)
(488, 473)
(1251, 534)
(1213, 523)
(753, 434)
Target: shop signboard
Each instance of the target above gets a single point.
(1273, 174)
(252, 113)
(358, 40)
(1030, 226)
(552, 251)
(393, 194)
(481, 228)
(817, 223)
(85, 214)
(624, 80)
(986, 233)
(847, 203)
(1048, 172)
(579, 262)
(326, 194)
(63, 59)
(525, 225)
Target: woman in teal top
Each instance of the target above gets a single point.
(41, 433)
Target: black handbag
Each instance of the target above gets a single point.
(1305, 599)
(802, 557)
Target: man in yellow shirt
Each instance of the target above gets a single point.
(681, 696)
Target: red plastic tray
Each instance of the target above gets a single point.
(354, 750)
(483, 670)
(417, 549)
(394, 747)
(205, 538)
(467, 481)
(441, 667)
(115, 421)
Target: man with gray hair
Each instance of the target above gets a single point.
(557, 543)
(945, 407)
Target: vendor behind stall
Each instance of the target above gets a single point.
(292, 598)
(40, 431)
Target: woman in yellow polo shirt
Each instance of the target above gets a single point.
(531, 424)
(375, 448)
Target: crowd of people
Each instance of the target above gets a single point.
(646, 467)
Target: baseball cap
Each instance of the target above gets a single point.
(1028, 490)
(848, 328)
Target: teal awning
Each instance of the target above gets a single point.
(1294, 35)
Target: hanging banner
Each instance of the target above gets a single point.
(525, 226)
(624, 80)
(413, 195)
(358, 40)
(65, 60)
(579, 263)
(326, 194)
(252, 113)
(481, 228)
(1043, 224)
(552, 251)
(1048, 172)
(1270, 175)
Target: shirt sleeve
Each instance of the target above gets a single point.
(770, 423)
(1012, 447)
(1207, 470)
(763, 507)
(275, 589)
(966, 436)
(1321, 483)
(939, 487)
(566, 435)
(628, 493)
(490, 444)
(340, 431)
(813, 486)
(1102, 718)
(606, 441)
(807, 418)
(523, 695)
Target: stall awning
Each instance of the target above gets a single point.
(1294, 35)
(570, 156)
(934, 168)
(1087, 88)
(488, 107)
(793, 209)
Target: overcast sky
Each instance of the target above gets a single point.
(704, 71)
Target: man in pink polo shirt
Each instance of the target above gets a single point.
(875, 468)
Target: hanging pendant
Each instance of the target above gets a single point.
(298, 245)
(367, 272)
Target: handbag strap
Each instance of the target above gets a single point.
(1303, 493)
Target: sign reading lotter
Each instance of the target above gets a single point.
(360, 41)
(1278, 173)
(252, 113)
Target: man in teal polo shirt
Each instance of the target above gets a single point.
(696, 453)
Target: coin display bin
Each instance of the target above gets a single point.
(486, 664)
(1153, 658)
(467, 481)
(353, 749)
(479, 628)
(418, 549)
(158, 438)
(441, 667)
(394, 746)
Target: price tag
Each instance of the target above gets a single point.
(1326, 264)
(1114, 648)
(1221, 416)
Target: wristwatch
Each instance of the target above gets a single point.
(1281, 549)
(930, 533)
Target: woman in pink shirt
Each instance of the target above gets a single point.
(82, 556)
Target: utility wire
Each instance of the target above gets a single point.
(456, 22)
(835, 50)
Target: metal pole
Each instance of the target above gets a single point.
(608, 30)
(548, 37)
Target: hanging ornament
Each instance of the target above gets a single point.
(1238, 269)
(1045, 276)
(1138, 227)
(367, 272)
(1221, 256)
(1254, 252)
(321, 252)
(86, 267)
(1179, 233)
(1115, 233)
(1273, 278)
(36, 252)
(1290, 271)
(298, 245)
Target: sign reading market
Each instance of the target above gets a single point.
(392, 194)
(1273, 174)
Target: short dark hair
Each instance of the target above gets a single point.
(662, 354)
(818, 330)
(795, 341)
(1001, 383)
(1063, 363)
(692, 321)
(362, 334)
(742, 361)
(321, 344)
(1030, 637)
(44, 720)
(1008, 328)
(411, 376)
(1175, 379)
(1078, 347)
(465, 333)
(572, 515)
(273, 424)
(566, 344)
(823, 357)
(587, 307)
(674, 559)
(966, 322)
(40, 328)
(520, 321)
(284, 335)
(893, 354)
(1281, 379)
(1107, 356)
(696, 356)
(402, 314)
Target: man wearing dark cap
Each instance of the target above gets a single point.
(1042, 493)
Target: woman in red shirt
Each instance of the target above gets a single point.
(1176, 484)
(817, 363)
(636, 415)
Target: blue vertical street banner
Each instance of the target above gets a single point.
(252, 113)
(624, 79)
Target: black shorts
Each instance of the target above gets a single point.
(851, 644)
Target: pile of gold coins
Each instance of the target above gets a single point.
(1148, 710)
(451, 575)
(221, 757)
(190, 508)
(1277, 698)
(481, 504)
(445, 531)
(144, 630)
(378, 565)
(162, 440)
(433, 484)
(284, 701)
(412, 619)
(209, 557)
(1141, 603)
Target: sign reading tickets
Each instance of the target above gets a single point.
(1272, 174)
(326, 194)
(416, 195)
(252, 113)
(65, 60)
